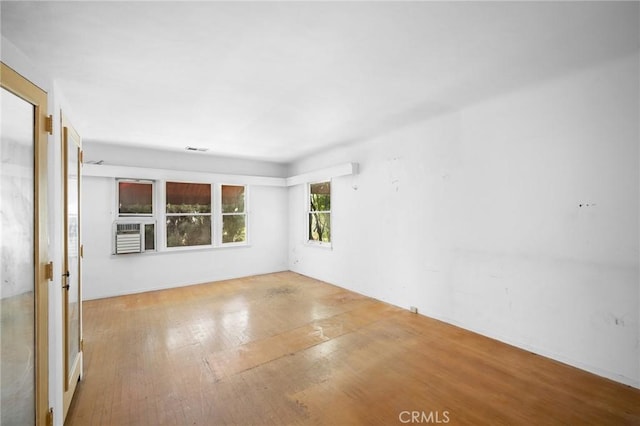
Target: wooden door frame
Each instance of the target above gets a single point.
(26, 90)
(70, 377)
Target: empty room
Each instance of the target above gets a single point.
(327, 213)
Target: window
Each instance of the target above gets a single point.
(189, 218)
(149, 236)
(319, 212)
(135, 198)
(135, 205)
(234, 215)
(188, 214)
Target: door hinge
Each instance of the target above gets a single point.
(81, 157)
(50, 417)
(81, 345)
(81, 250)
(48, 124)
(48, 271)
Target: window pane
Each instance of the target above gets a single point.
(320, 196)
(17, 278)
(135, 198)
(188, 231)
(149, 236)
(320, 227)
(188, 197)
(234, 228)
(232, 199)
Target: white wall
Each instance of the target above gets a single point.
(475, 217)
(109, 275)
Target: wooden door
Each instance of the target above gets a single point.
(25, 271)
(72, 264)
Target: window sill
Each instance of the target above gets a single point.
(176, 250)
(325, 246)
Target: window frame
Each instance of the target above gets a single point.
(159, 215)
(166, 215)
(308, 211)
(221, 216)
(138, 181)
(143, 219)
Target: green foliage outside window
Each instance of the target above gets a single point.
(135, 209)
(188, 210)
(234, 223)
(320, 212)
(233, 229)
(183, 231)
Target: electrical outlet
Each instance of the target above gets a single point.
(413, 309)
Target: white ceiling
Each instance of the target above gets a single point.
(281, 80)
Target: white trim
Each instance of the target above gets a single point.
(188, 248)
(319, 244)
(127, 172)
(143, 173)
(324, 175)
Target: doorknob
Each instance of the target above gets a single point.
(66, 275)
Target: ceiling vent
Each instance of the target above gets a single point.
(193, 148)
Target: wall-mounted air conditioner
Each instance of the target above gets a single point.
(128, 237)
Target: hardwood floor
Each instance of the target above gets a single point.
(284, 349)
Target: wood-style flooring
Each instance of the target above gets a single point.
(284, 349)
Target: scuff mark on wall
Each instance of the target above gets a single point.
(394, 168)
(610, 319)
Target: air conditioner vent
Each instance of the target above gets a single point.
(128, 238)
(128, 228)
